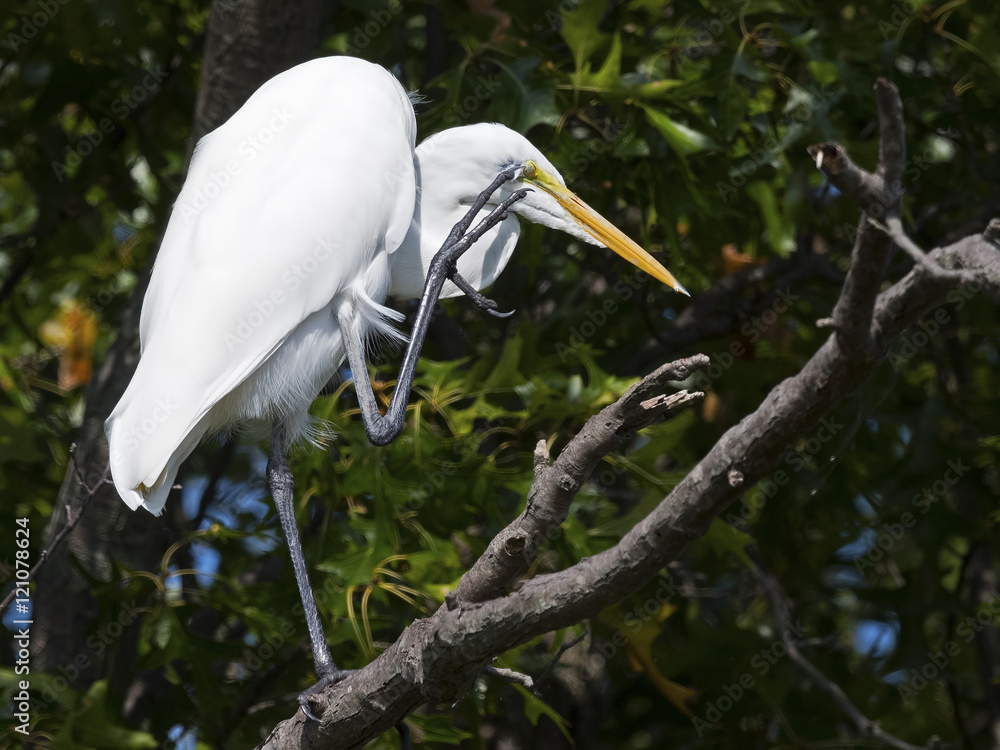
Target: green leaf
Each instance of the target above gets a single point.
(683, 139)
(780, 232)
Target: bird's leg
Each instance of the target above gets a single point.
(381, 429)
(281, 483)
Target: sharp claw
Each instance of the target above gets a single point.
(330, 677)
(304, 705)
(497, 314)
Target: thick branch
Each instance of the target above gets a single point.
(438, 657)
(555, 486)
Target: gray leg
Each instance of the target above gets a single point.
(381, 429)
(282, 483)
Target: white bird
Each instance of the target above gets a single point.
(299, 217)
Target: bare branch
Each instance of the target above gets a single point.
(992, 231)
(438, 657)
(893, 227)
(892, 138)
(554, 488)
(559, 654)
(878, 194)
(509, 675)
(71, 522)
(783, 615)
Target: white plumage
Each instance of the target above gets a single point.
(309, 203)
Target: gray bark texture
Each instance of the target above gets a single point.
(437, 658)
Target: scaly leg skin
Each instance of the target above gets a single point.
(327, 678)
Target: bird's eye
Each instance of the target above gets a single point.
(529, 170)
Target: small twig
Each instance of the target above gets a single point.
(509, 675)
(553, 489)
(893, 227)
(71, 522)
(559, 654)
(992, 230)
(783, 611)
(879, 194)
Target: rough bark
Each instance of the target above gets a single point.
(438, 657)
(246, 43)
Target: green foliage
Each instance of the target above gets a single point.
(686, 124)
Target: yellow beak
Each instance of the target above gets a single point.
(598, 227)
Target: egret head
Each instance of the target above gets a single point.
(454, 166)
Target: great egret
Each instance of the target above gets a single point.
(299, 216)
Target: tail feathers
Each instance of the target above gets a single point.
(146, 451)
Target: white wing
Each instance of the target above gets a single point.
(284, 206)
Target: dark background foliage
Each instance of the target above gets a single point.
(684, 123)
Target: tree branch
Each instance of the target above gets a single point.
(437, 658)
(783, 615)
(879, 194)
(512, 550)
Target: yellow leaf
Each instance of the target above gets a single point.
(73, 332)
(641, 628)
